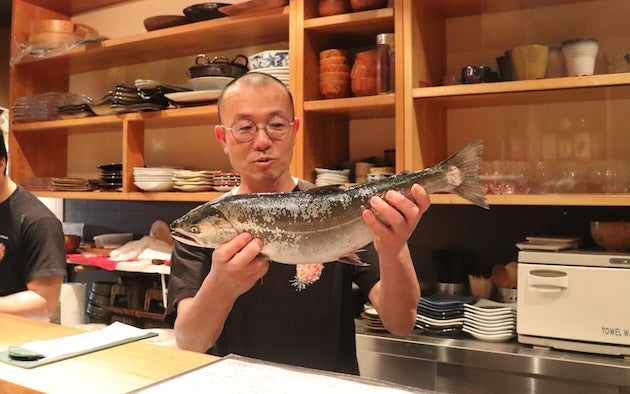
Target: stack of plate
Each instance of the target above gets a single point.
(123, 99)
(331, 177)
(193, 181)
(490, 320)
(442, 313)
(371, 320)
(226, 181)
(281, 73)
(44, 106)
(71, 184)
(153, 179)
(111, 176)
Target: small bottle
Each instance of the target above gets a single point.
(385, 66)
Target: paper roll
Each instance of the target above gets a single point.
(72, 304)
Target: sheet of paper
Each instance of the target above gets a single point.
(239, 375)
(115, 332)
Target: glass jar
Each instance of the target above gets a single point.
(386, 63)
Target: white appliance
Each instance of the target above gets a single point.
(574, 300)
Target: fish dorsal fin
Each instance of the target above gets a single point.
(325, 189)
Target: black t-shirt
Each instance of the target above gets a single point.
(273, 321)
(31, 242)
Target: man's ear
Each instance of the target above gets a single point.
(219, 132)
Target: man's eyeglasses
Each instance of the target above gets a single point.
(245, 130)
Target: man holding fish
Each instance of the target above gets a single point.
(234, 259)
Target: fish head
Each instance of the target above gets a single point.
(204, 226)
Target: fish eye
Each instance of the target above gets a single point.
(194, 230)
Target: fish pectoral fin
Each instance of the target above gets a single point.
(354, 259)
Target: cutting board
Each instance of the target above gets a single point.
(251, 6)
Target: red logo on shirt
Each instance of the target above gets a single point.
(1, 251)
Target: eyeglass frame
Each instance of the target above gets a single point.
(258, 127)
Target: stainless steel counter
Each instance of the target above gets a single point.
(467, 365)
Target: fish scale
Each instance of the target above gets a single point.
(321, 224)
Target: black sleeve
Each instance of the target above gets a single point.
(189, 267)
(44, 250)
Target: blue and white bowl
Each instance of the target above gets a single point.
(270, 58)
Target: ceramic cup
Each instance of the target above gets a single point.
(580, 55)
(556, 66)
(530, 61)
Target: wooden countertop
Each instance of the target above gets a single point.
(115, 370)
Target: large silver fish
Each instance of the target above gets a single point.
(322, 224)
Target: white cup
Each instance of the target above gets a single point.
(579, 55)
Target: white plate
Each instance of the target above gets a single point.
(193, 188)
(546, 246)
(209, 83)
(223, 188)
(197, 96)
(154, 186)
(489, 338)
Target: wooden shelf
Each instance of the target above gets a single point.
(70, 7)
(604, 200)
(175, 117)
(207, 36)
(381, 106)
(365, 22)
(502, 93)
(457, 8)
(133, 196)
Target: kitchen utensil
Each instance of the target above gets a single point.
(204, 11)
(611, 236)
(219, 66)
(530, 61)
(251, 6)
(163, 21)
(580, 55)
(480, 287)
(52, 30)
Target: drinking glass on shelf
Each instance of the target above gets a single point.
(616, 178)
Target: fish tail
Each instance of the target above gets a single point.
(468, 161)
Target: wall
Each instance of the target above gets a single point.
(5, 40)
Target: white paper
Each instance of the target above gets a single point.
(230, 375)
(113, 333)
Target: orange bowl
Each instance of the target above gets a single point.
(333, 52)
(340, 76)
(345, 68)
(71, 242)
(333, 60)
(363, 70)
(363, 86)
(611, 236)
(361, 5)
(334, 88)
(370, 56)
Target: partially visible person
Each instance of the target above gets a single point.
(32, 252)
(229, 300)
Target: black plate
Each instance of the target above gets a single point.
(204, 11)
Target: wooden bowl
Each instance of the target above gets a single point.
(333, 52)
(368, 56)
(334, 88)
(363, 86)
(334, 60)
(334, 76)
(611, 236)
(344, 68)
(363, 70)
(47, 31)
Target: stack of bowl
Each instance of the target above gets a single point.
(334, 73)
(363, 75)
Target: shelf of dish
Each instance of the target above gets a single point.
(565, 89)
(176, 117)
(604, 200)
(191, 39)
(132, 196)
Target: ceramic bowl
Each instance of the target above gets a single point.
(611, 236)
(362, 5)
(204, 11)
(270, 58)
(71, 242)
(209, 83)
